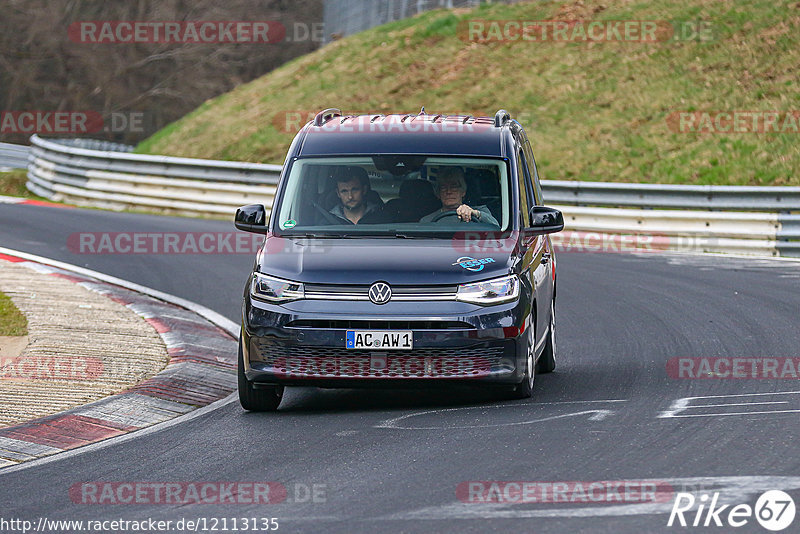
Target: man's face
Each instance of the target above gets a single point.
(451, 192)
(351, 194)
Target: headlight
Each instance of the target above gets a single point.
(274, 289)
(494, 291)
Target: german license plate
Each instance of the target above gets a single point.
(380, 339)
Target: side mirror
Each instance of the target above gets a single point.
(545, 220)
(252, 218)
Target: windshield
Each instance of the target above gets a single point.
(391, 195)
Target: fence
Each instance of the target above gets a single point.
(700, 218)
(345, 17)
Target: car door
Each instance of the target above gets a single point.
(536, 269)
(547, 240)
(540, 274)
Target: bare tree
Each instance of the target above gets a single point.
(42, 69)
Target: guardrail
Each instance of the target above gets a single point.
(707, 197)
(13, 156)
(120, 180)
(699, 218)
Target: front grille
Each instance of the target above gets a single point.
(379, 325)
(361, 292)
(327, 362)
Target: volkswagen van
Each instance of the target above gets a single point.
(401, 250)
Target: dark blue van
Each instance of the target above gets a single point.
(401, 250)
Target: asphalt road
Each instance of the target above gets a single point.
(392, 460)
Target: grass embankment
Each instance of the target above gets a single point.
(12, 322)
(12, 184)
(594, 111)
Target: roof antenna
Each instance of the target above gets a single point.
(422, 111)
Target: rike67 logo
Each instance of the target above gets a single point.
(774, 510)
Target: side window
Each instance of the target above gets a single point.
(537, 187)
(522, 179)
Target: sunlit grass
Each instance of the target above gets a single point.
(12, 322)
(594, 111)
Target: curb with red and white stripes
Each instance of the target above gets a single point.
(32, 202)
(201, 370)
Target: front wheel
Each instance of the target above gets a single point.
(264, 399)
(547, 361)
(524, 390)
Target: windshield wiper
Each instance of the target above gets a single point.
(412, 236)
(312, 236)
(388, 235)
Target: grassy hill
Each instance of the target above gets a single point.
(594, 110)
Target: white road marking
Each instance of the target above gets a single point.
(684, 404)
(736, 413)
(743, 404)
(394, 423)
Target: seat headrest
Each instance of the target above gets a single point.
(416, 189)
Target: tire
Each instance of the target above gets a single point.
(264, 399)
(524, 389)
(547, 361)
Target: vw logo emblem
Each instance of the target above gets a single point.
(380, 293)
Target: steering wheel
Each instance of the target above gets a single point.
(448, 213)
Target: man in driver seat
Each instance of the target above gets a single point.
(352, 188)
(451, 190)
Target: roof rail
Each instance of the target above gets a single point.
(501, 117)
(326, 114)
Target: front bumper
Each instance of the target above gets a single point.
(303, 343)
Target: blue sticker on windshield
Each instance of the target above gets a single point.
(471, 264)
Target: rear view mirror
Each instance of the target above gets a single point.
(545, 220)
(399, 165)
(251, 218)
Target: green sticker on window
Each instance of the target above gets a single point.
(291, 223)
